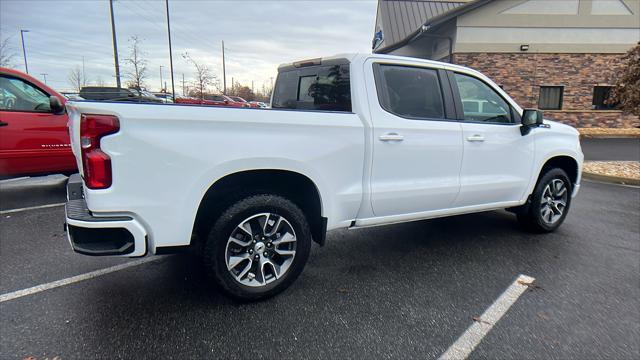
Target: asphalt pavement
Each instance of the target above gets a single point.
(397, 292)
(619, 149)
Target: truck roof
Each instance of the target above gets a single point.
(351, 57)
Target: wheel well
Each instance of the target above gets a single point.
(229, 189)
(566, 163)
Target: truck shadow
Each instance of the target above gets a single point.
(415, 272)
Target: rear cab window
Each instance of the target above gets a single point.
(410, 92)
(314, 85)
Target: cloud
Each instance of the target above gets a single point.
(258, 35)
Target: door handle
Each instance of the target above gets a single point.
(2, 123)
(391, 137)
(475, 138)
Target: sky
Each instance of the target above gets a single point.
(258, 36)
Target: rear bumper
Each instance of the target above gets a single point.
(100, 235)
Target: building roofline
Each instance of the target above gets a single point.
(433, 22)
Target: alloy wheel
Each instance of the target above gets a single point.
(554, 201)
(260, 249)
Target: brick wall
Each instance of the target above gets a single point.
(522, 74)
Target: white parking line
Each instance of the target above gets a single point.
(468, 341)
(11, 211)
(75, 279)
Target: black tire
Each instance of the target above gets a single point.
(216, 245)
(530, 216)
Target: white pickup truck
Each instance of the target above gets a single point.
(351, 141)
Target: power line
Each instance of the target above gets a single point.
(187, 37)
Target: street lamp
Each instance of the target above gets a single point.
(161, 77)
(24, 51)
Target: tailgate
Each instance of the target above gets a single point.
(74, 132)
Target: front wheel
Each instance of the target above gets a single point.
(549, 204)
(258, 247)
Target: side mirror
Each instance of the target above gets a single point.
(531, 118)
(226, 102)
(55, 105)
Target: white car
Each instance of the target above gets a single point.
(351, 141)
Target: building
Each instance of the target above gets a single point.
(561, 56)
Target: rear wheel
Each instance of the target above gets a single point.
(258, 247)
(549, 204)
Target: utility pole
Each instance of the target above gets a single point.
(183, 92)
(44, 75)
(84, 76)
(161, 77)
(115, 44)
(173, 89)
(24, 51)
(224, 73)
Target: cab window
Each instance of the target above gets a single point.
(410, 92)
(18, 95)
(480, 103)
(320, 87)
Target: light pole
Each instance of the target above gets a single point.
(224, 73)
(24, 51)
(184, 93)
(44, 75)
(161, 77)
(173, 89)
(115, 44)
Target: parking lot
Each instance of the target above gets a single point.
(401, 291)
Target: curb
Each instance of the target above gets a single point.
(610, 179)
(609, 136)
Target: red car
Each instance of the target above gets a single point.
(34, 139)
(243, 101)
(215, 100)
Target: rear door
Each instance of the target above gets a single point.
(417, 141)
(498, 161)
(32, 138)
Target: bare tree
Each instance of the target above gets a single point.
(138, 65)
(203, 76)
(77, 78)
(100, 81)
(7, 53)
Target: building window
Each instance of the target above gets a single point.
(600, 96)
(550, 97)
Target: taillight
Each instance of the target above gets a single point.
(96, 165)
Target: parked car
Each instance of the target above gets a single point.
(259, 104)
(167, 98)
(381, 141)
(213, 100)
(105, 93)
(224, 100)
(240, 100)
(34, 138)
(72, 96)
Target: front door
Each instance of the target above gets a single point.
(417, 143)
(498, 161)
(32, 138)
